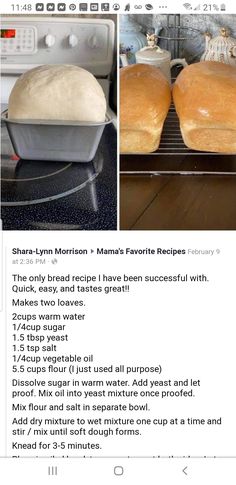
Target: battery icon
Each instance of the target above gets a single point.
(223, 7)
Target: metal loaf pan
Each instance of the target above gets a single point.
(59, 141)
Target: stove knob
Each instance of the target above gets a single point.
(93, 42)
(49, 40)
(73, 40)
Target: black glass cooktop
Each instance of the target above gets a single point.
(45, 195)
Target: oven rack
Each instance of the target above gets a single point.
(173, 156)
(171, 140)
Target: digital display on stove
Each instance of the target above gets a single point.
(8, 33)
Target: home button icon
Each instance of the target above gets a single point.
(118, 471)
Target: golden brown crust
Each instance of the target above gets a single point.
(145, 98)
(205, 100)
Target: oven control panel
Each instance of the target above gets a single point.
(30, 41)
(18, 40)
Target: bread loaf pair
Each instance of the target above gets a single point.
(205, 99)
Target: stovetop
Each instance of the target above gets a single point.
(60, 196)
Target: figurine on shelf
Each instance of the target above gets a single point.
(152, 39)
(221, 48)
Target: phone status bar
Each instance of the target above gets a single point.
(122, 7)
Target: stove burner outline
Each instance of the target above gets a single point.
(52, 197)
(37, 178)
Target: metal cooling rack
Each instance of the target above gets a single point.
(171, 140)
(174, 157)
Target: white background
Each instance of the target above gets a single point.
(189, 330)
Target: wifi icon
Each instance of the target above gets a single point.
(188, 6)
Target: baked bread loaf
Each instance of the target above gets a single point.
(145, 98)
(57, 92)
(205, 100)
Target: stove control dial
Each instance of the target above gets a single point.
(73, 40)
(50, 40)
(93, 41)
